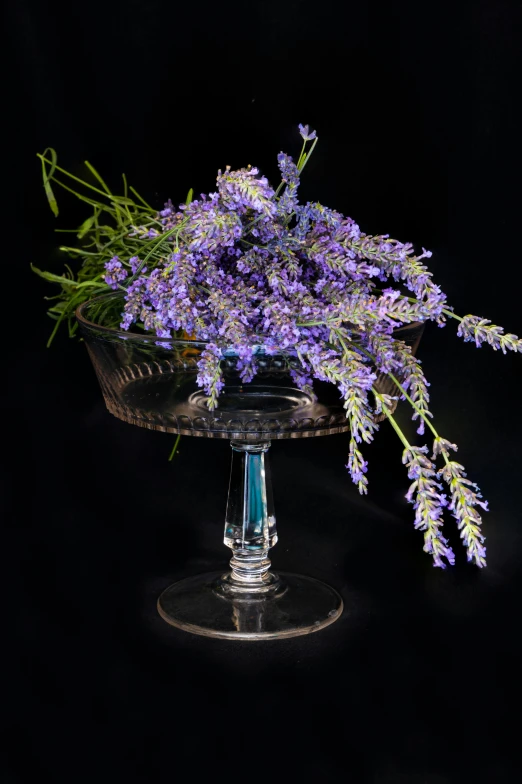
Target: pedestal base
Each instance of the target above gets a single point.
(303, 605)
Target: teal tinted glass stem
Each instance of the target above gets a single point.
(250, 521)
(254, 506)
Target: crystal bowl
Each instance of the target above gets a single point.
(151, 382)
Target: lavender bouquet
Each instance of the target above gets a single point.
(249, 266)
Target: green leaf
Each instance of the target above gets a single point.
(123, 200)
(81, 251)
(46, 180)
(190, 196)
(98, 177)
(82, 198)
(68, 174)
(86, 226)
(51, 277)
(135, 192)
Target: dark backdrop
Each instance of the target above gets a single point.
(416, 109)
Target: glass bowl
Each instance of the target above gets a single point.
(151, 382)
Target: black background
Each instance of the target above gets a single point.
(416, 109)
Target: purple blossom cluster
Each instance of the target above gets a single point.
(465, 498)
(429, 503)
(481, 331)
(115, 272)
(246, 266)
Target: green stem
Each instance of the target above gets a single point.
(341, 341)
(55, 330)
(451, 314)
(125, 234)
(308, 156)
(414, 405)
(299, 160)
(394, 424)
(82, 252)
(174, 448)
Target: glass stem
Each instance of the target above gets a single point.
(250, 526)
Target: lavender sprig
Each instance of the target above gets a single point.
(394, 356)
(353, 379)
(480, 330)
(357, 466)
(465, 495)
(396, 259)
(425, 495)
(210, 375)
(429, 502)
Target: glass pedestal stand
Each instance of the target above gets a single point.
(250, 602)
(152, 383)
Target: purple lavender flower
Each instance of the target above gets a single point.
(290, 175)
(429, 503)
(169, 209)
(242, 190)
(303, 381)
(482, 331)
(210, 375)
(357, 467)
(134, 263)
(306, 134)
(209, 228)
(115, 274)
(465, 497)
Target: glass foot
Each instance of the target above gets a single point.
(300, 606)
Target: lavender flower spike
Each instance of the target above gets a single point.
(115, 272)
(465, 497)
(357, 467)
(479, 330)
(428, 502)
(210, 375)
